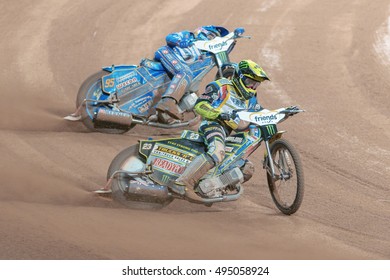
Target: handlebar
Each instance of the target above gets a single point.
(240, 36)
(292, 110)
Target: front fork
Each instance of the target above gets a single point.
(270, 168)
(268, 159)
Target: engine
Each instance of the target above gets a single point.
(188, 101)
(214, 187)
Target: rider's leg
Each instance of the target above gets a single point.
(169, 100)
(182, 77)
(191, 175)
(215, 139)
(215, 136)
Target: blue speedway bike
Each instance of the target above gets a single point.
(117, 98)
(139, 175)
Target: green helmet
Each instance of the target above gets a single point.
(248, 77)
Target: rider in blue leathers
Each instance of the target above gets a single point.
(176, 57)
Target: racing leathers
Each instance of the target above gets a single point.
(220, 98)
(177, 57)
(218, 101)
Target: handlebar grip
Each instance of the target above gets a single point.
(224, 116)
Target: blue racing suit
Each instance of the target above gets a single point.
(176, 57)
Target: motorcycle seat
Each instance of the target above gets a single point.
(151, 64)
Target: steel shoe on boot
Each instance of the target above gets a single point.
(176, 188)
(193, 173)
(168, 105)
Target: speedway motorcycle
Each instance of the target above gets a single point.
(117, 98)
(139, 175)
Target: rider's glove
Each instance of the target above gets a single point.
(292, 108)
(224, 116)
(185, 43)
(239, 31)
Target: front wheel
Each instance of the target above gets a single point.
(129, 160)
(287, 187)
(91, 89)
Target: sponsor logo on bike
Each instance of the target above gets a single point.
(143, 108)
(131, 83)
(168, 166)
(265, 119)
(172, 154)
(271, 129)
(126, 77)
(142, 104)
(217, 46)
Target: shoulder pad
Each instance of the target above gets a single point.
(211, 87)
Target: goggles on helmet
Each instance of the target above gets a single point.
(250, 83)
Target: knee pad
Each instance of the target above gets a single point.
(216, 150)
(178, 86)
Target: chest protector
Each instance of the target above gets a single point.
(228, 100)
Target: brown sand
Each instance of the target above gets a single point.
(328, 57)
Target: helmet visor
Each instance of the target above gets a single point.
(250, 83)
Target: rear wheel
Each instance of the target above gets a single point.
(287, 188)
(129, 160)
(91, 88)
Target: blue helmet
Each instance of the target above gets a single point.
(208, 32)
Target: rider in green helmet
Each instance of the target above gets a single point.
(221, 97)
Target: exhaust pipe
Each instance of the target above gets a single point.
(146, 192)
(109, 116)
(136, 190)
(106, 116)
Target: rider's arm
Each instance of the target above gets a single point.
(179, 39)
(205, 109)
(203, 105)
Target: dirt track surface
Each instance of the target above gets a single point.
(329, 57)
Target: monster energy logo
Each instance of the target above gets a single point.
(223, 56)
(165, 178)
(243, 64)
(271, 129)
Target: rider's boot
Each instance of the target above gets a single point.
(248, 171)
(168, 106)
(184, 185)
